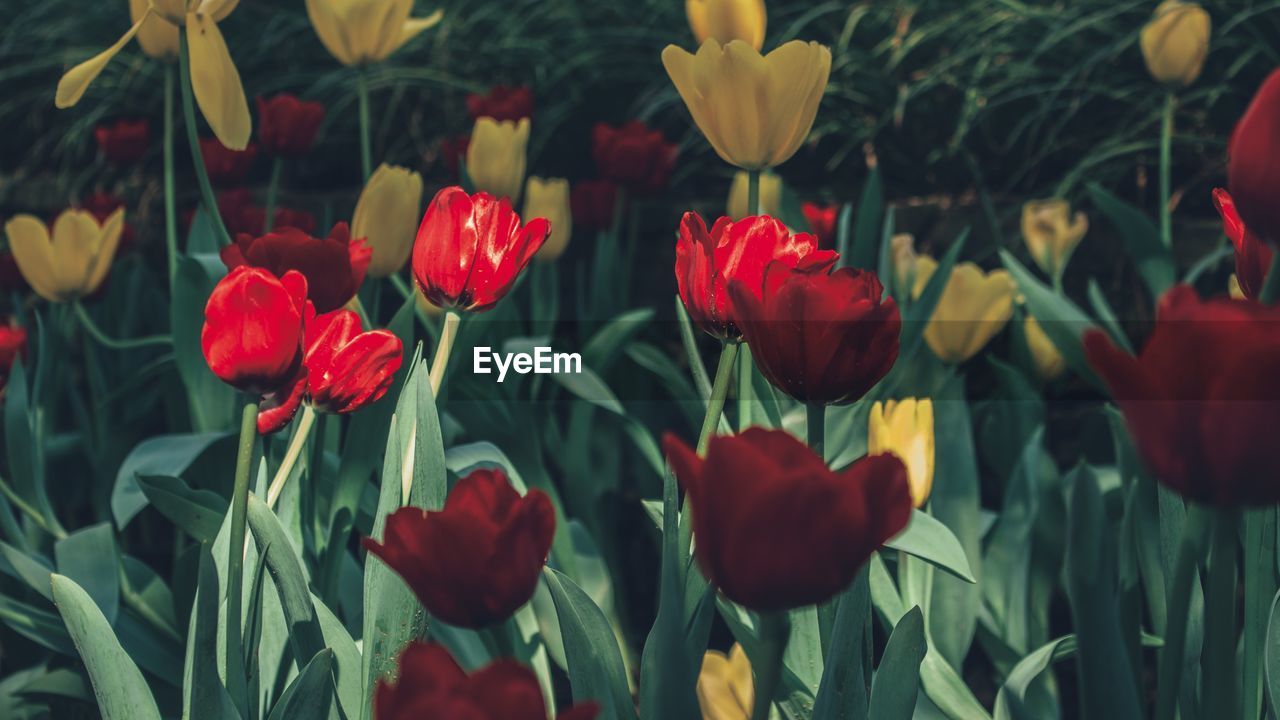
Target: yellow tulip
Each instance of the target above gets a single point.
(214, 79)
(1044, 354)
(1233, 288)
(974, 307)
(725, 688)
(1052, 233)
(550, 199)
(1175, 41)
(496, 156)
(356, 32)
(70, 263)
(157, 38)
(770, 196)
(903, 256)
(725, 20)
(755, 111)
(905, 428)
(387, 215)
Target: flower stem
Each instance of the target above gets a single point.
(816, 427)
(235, 552)
(1179, 603)
(193, 140)
(1166, 160)
(113, 343)
(753, 192)
(746, 393)
(366, 147)
(1220, 678)
(170, 193)
(719, 390)
(291, 455)
(775, 628)
(447, 335)
(273, 186)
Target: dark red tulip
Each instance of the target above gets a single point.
(1253, 257)
(502, 102)
(431, 684)
(594, 204)
(1253, 176)
(478, 560)
(706, 262)
(287, 125)
(633, 156)
(13, 344)
(253, 220)
(334, 266)
(776, 529)
(819, 337)
(822, 220)
(453, 151)
(1202, 399)
(252, 336)
(224, 165)
(123, 142)
(471, 248)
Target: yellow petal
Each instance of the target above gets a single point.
(496, 156)
(905, 429)
(973, 308)
(76, 80)
(549, 199)
(770, 195)
(216, 82)
(328, 26)
(387, 215)
(77, 237)
(725, 688)
(108, 243)
(217, 9)
(157, 37)
(32, 251)
(1044, 354)
(1175, 42)
(413, 26)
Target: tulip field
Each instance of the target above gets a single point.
(648, 360)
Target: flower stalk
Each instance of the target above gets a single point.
(170, 189)
(1166, 160)
(775, 629)
(236, 548)
(447, 335)
(100, 337)
(291, 455)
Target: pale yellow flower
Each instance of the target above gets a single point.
(357, 32)
(387, 216)
(905, 428)
(1175, 42)
(725, 20)
(902, 248)
(70, 262)
(549, 199)
(725, 688)
(1044, 354)
(770, 196)
(496, 156)
(974, 307)
(157, 38)
(1052, 233)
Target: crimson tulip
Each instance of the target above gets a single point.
(593, 203)
(1202, 399)
(224, 165)
(502, 102)
(13, 344)
(431, 684)
(1253, 257)
(478, 560)
(123, 142)
(776, 529)
(1253, 176)
(241, 215)
(822, 220)
(287, 125)
(252, 335)
(471, 248)
(819, 337)
(735, 250)
(334, 266)
(633, 156)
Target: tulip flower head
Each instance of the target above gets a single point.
(123, 142)
(1046, 357)
(755, 111)
(633, 156)
(549, 199)
(905, 428)
(224, 165)
(386, 215)
(496, 156)
(13, 345)
(594, 204)
(471, 248)
(974, 307)
(1052, 233)
(725, 20)
(287, 126)
(157, 38)
(770, 196)
(1253, 257)
(902, 249)
(726, 690)
(822, 525)
(360, 32)
(1253, 176)
(252, 334)
(1175, 42)
(823, 221)
(478, 560)
(334, 266)
(502, 102)
(70, 261)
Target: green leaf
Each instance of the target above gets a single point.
(843, 693)
(605, 346)
(22, 448)
(948, 691)
(588, 386)
(121, 690)
(168, 455)
(210, 401)
(933, 542)
(37, 625)
(1062, 321)
(347, 662)
(204, 695)
(866, 232)
(897, 680)
(1141, 239)
(310, 694)
(285, 567)
(31, 569)
(89, 558)
(595, 663)
(1271, 656)
(1013, 693)
(198, 512)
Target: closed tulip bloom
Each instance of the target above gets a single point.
(707, 261)
(770, 196)
(73, 260)
(1253, 176)
(287, 125)
(905, 428)
(386, 216)
(974, 307)
(224, 165)
(726, 690)
(359, 32)
(549, 199)
(725, 20)
(123, 142)
(1253, 257)
(496, 156)
(823, 222)
(502, 102)
(776, 529)
(471, 248)
(594, 204)
(1175, 42)
(478, 560)
(633, 156)
(816, 336)
(902, 248)
(1046, 357)
(1202, 398)
(252, 335)
(334, 266)
(214, 79)
(1052, 233)
(755, 111)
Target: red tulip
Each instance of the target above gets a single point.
(1253, 257)
(334, 266)
(431, 684)
(253, 220)
(775, 528)
(252, 336)
(593, 203)
(1202, 399)
(819, 337)
(1253, 176)
(471, 248)
(822, 221)
(224, 165)
(123, 142)
(503, 102)
(478, 560)
(634, 156)
(13, 344)
(705, 263)
(287, 125)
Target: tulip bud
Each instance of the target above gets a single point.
(71, 262)
(903, 256)
(287, 125)
(1253, 175)
(496, 156)
(1175, 41)
(157, 36)
(770, 196)
(1044, 354)
(725, 20)
(123, 142)
(725, 688)
(252, 335)
(386, 216)
(974, 307)
(633, 156)
(224, 165)
(905, 429)
(823, 222)
(594, 204)
(549, 199)
(358, 32)
(1253, 257)
(1052, 233)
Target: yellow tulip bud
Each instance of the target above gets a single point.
(1052, 233)
(974, 307)
(725, 20)
(496, 156)
(1175, 41)
(387, 215)
(357, 32)
(70, 263)
(755, 111)
(1044, 354)
(549, 199)
(902, 249)
(770, 196)
(905, 428)
(725, 688)
(157, 37)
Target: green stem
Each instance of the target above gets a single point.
(49, 525)
(1259, 590)
(774, 629)
(1179, 603)
(116, 344)
(236, 547)
(445, 346)
(719, 391)
(1166, 160)
(170, 189)
(1271, 286)
(1220, 679)
(753, 192)
(366, 147)
(273, 187)
(816, 427)
(746, 393)
(193, 140)
(291, 455)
